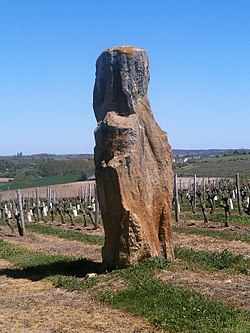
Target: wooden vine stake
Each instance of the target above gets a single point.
(20, 220)
(176, 201)
(204, 188)
(37, 204)
(195, 185)
(89, 195)
(238, 192)
(96, 208)
(48, 193)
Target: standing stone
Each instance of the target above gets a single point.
(133, 161)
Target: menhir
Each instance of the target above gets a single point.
(133, 161)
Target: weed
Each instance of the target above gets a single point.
(170, 307)
(67, 234)
(219, 217)
(39, 265)
(224, 260)
(215, 234)
(72, 283)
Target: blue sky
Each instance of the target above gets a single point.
(199, 54)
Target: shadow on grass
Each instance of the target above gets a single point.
(76, 268)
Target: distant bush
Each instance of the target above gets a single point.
(25, 175)
(53, 167)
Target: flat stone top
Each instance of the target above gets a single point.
(125, 49)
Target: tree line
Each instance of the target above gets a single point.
(28, 167)
(53, 167)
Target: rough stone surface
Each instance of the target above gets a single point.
(133, 161)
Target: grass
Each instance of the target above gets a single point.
(38, 265)
(38, 262)
(170, 307)
(72, 283)
(38, 182)
(215, 234)
(223, 260)
(66, 234)
(240, 219)
(218, 217)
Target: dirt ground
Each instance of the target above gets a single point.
(205, 243)
(28, 306)
(54, 245)
(5, 180)
(233, 289)
(72, 189)
(62, 190)
(38, 307)
(210, 243)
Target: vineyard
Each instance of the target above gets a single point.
(223, 164)
(52, 278)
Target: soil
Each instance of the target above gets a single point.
(29, 306)
(214, 226)
(62, 190)
(35, 306)
(205, 243)
(5, 180)
(232, 289)
(55, 245)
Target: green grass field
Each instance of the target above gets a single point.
(43, 181)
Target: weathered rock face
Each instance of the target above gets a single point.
(133, 161)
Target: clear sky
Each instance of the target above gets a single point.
(199, 52)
